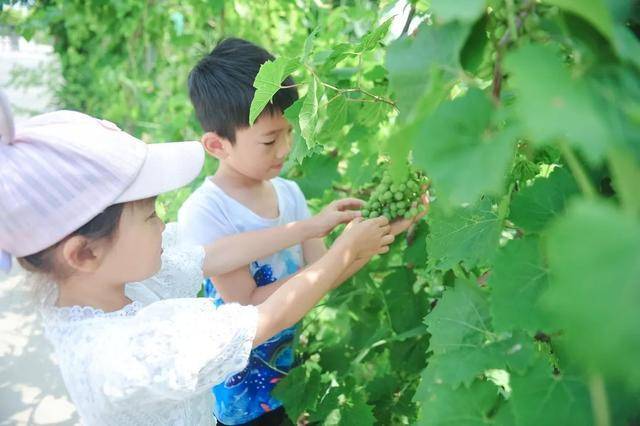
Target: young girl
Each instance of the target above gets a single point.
(134, 346)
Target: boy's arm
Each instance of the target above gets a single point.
(240, 287)
(234, 251)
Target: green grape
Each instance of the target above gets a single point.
(388, 195)
(393, 188)
(375, 205)
(398, 196)
(402, 187)
(373, 214)
(365, 213)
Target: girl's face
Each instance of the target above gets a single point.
(135, 251)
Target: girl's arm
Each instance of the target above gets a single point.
(289, 303)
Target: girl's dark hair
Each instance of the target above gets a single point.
(104, 225)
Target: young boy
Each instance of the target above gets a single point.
(246, 194)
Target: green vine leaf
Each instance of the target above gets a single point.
(267, 83)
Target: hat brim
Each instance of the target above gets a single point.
(167, 166)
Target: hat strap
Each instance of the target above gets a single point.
(7, 128)
(5, 261)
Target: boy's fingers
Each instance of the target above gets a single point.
(349, 203)
(387, 239)
(349, 215)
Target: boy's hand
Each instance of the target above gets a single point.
(337, 212)
(398, 226)
(364, 238)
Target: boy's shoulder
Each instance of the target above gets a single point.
(290, 186)
(205, 198)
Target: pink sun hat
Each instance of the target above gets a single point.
(61, 169)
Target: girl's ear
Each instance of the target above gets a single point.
(216, 145)
(82, 255)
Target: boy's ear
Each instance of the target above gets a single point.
(79, 254)
(216, 145)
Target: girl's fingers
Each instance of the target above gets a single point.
(381, 221)
(383, 250)
(387, 239)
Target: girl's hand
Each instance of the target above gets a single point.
(398, 226)
(337, 212)
(363, 238)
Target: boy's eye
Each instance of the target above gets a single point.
(269, 143)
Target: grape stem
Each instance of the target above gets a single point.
(496, 84)
(599, 400)
(577, 170)
(353, 90)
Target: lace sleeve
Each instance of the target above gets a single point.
(181, 272)
(173, 349)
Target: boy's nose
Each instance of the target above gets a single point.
(285, 147)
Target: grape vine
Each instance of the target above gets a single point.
(514, 302)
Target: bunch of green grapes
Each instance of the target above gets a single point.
(397, 200)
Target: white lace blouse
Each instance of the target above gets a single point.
(154, 361)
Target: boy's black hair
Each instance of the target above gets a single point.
(221, 87)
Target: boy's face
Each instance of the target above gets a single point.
(260, 150)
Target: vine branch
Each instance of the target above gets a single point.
(515, 26)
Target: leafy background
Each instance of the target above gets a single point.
(516, 301)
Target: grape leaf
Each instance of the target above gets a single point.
(336, 117)
(447, 10)
(593, 11)
(462, 157)
(299, 391)
(416, 252)
(410, 61)
(460, 319)
(299, 149)
(518, 279)
(534, 206)
(594, 263)
(406, 308)
(466, 234)
(552, 105)
(474, 51)
(538, 397)
(320, 171)
(465, 364)
(357, 413)
(267, 83)
(310, 114)
(626, 175)
(371, 40)
(441, 405)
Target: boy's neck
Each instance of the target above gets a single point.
(81, 291)
(227, 177)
